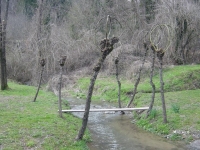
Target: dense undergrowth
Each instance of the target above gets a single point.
(182, 96)
(36, 125)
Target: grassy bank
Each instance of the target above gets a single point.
(35, 125)
(182, 96)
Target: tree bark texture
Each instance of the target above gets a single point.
(106, 48)
(1, 37)
(160, 55)
(60, 100)
(39, 30)
(62, 63)
(135, 8)
(42, 70)
(3, 23)
(119, 84)
(87, 106)
(152, 84)
(139, 74)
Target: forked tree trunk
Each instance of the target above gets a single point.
(160, 54)
(106, 49)
(119, 84)
(139, 74)
(152, 84)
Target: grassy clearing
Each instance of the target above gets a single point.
(35, 125)
(182, 96)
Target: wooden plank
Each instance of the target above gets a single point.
(109, 109)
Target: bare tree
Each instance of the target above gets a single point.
(119, 83)
(160, 55)
(62, 63)
(151, 82)
(106, 49)
(42, 63)
(135, 7)
(106, 46)
(39, 28)
(139, 75)
(1, 40)
(161, 36)
(3, 23)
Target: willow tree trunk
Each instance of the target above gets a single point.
(106, 49)
(42, 70)
(60, 100)
(160, 55)
(4, 84)
(1, 40)
(152, 84)
(119, 84)
(62, 63)
(139, 74)
(88, 101)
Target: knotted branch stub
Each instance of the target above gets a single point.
(62, 60)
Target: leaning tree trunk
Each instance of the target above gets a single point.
(106, 48)
(160, 55)
(139, 74)
(151, 82)
(42, 63)
(119, 84)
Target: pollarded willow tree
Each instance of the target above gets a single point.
(160, 35)
(107, 46)
(62, 63)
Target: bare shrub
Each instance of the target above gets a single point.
(53, 84)
(19, 64)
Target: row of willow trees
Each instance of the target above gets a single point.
(45, 29)
(158, 42)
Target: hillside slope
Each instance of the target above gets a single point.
(182, 96)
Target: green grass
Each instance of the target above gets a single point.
(25, 124)
(177, 78)
(182, 96)
(105, 89)
(184, 115)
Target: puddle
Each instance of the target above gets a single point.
(112, 131)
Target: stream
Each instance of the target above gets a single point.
(112, 131)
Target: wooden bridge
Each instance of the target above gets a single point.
(109, 109)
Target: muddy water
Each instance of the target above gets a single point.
(112, 131)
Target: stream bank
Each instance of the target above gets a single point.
(110, 130)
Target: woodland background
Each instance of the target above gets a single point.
(52, 28)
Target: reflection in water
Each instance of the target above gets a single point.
(115, 132)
